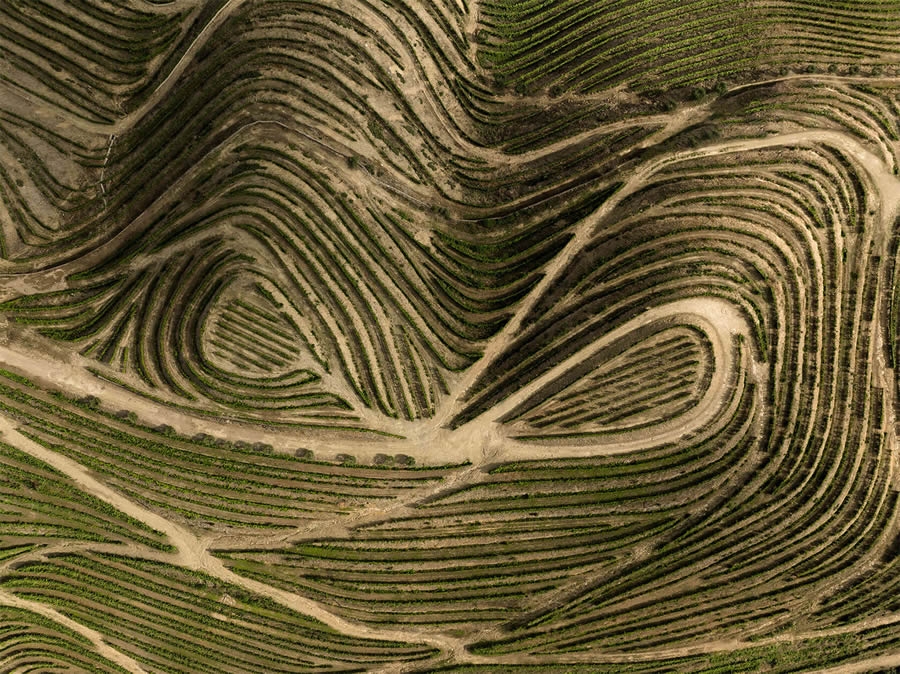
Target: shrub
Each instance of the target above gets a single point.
(91, 402)
(127, 415)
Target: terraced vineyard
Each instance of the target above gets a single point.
(449, 335)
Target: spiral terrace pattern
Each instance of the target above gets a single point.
(448, 335)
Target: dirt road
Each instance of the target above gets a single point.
(192, 551)
(103, 648)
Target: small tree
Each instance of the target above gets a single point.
(91, 402)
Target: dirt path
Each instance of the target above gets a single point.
(163, 88)
(126, 121)
(192, 552)
(819, 77)
(714, 647)
(341, 526)
(887, 185)
(882, 662)
(718, 319)
(103, 648)
(429, 439)
(189, 547)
